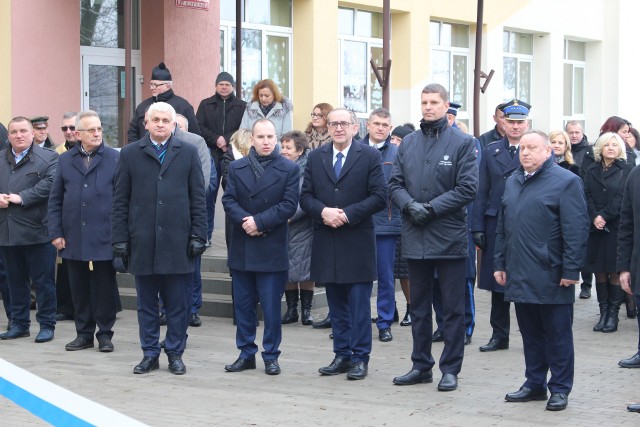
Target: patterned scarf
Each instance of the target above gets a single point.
(266, 108)
(260, 163)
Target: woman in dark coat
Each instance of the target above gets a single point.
(295, 147)
(603, 185)
(561, 145)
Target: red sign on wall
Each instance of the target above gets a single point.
(193, 4)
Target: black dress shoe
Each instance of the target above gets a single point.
(414, 376)
(384, 335)
(63, 316)
(324, 323)
(176, 366)
(195, 320)
(585, 293)
(467, 339)
(147, 365)
(14, 332)
(632, 362)
(339, 365)
(495, 344)
(45, 335)
(163, 319)
(525, 394)
(358, 371)
(438, 336)
(271, 367)
(557, 402)
(80, 343)
(104, 344)
(449, 382)
(407, 320)
(241, 364)
(634, 407)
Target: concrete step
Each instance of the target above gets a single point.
(212, 283)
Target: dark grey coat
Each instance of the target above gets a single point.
(440, 170)
(157, 207)
(80, 204)
(541, 236)
(31, 179)
(629, 231)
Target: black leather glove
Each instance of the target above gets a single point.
(417, 212)
(121, 250)
(479, 240)
(197, 246)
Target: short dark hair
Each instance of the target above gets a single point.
(437, 88)
(19, 119)
(300, 139)
(381, 112)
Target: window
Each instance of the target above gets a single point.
(360, 41)
(102, 23)
(450, 62)
(266, 43)
(574, 77)
(517, 66)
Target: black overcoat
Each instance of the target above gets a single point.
(346, 254)
(158, 206)
(629, 231)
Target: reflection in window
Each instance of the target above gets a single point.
(106, 95)
(440, 67)
(575, 55)
(278, 62)
(268, 12)
(345, 21)
(509, 77)
(354, 75)
(251, 59)
(459, 92)
(517, 65)
(376, 89)
(102, 23)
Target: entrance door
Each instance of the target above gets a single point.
(103, 89)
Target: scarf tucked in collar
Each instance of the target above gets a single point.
(433, 129)
(260, 163)
(266, 108)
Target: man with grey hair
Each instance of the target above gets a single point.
(159, 228)
(68, 129)
(541, 243)
(161, 91)
(434, 178)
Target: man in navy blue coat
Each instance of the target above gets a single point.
(261, 195)
(83, 190)
(343, 187)
(159, 227)
(541, 243)
(498, 161)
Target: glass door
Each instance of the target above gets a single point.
(103, 90)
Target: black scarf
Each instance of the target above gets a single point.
(260, 163)
(431, 129)
(266, 108)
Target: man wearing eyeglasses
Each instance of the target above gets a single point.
(26, 174)
(79, 227)
(343, 188)
(161, 87)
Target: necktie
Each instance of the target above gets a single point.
(512, 150)
(337, 167)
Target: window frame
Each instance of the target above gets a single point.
(575, 63)
(520, 59)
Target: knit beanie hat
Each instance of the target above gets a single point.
(225, 77)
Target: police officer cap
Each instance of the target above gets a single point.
(516, 110)
(453, 108)
(161, 72)
(40, 120)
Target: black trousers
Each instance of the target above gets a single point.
(63, 290)
(500, 317)
(547, 338)
(451, 274)
(95, 295)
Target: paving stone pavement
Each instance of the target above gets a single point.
(207, 395)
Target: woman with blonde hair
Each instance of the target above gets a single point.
(561, 146)
(238, 147)
(317, 128)
(604, 182)
(267, 102)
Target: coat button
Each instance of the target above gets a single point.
(85, 185)
(336, 190)
(84, 223)
(159, 178)
(84, 204)
(160, 202)
(160, 228)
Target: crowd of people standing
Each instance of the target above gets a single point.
(324, 207)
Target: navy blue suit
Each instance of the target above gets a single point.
(259, 264)
(496, 165)
(344, 258)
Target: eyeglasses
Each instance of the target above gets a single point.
(316, 116)
(343, 125)
(65, 128)
(155, 85)
(92, 130)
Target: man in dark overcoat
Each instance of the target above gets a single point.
(628, 263)
(541, 242)
(79, 223)
(159, 226)
(498, 161)
(343, 187)
(26, 175)
(261, 195)
(435, 176)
